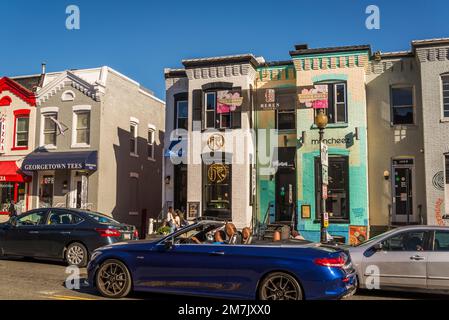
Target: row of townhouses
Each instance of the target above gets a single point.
(242, 144)
(89, 139)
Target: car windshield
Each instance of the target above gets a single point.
(101, 218)
(374, 239)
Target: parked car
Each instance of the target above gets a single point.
(288, 270)
(412, 258)
(67, 234)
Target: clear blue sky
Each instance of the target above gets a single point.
(140, 38)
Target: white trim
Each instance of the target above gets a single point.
(151, 126)
(50, 110)
(76, 109)
(63, 98)
(151, 96)
(134, 120)
(84, 107)
(134, 175)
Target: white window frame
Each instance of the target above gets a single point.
(399, 86)
(68, 95)
(16, 133)
(150, 144)
(75, 111)
(134, 123)
(44, 113)
(443, 77)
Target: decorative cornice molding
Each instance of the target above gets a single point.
(224, 71)
(18, 90)
(69, 78)
(432, 54)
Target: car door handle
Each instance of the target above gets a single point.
(217, 253)
(33, 232)
(417, 258)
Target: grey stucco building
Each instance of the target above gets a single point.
(99, 145)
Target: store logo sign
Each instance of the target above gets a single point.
(216, 142)
(2, 178)
(217, 173)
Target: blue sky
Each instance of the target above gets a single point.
(140, 38)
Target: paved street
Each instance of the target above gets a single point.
(28, 279)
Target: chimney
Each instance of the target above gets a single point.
(301, 46)
(44, 68)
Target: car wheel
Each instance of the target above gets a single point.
(113, 279)
(76, 255)
(280, 286)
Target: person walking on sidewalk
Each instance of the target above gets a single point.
(171, 220)
(12, 209)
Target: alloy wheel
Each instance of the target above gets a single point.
(113, 279)
(75, 255)
(280, 286)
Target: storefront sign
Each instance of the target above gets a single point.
(2, 132)
(2, 178)
(228, 101)
(313, 97)
(306, 211)
(276, 99)
(216, 142)
(42, 161)
(193, 209)
(357, 234)
(217, 173)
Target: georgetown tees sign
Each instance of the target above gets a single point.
(56, 166)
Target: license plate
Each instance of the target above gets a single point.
(127, 236)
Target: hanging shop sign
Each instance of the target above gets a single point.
(325, 192)
(325, 175)
(315, 97)
(324, 154)
(228, 101)
(326, 219)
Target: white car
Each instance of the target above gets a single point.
(412, 258)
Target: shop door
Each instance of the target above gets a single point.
(46, 191)
(79, 192)
(285, 194)
(180, 195)
(403, 192)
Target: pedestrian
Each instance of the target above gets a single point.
(177, 220)
(184, 222)
(12, 209)
(171, 220)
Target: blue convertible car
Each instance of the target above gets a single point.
(287, 270)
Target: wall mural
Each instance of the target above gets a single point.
(438, 215)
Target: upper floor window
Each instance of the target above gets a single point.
(50, 129)
(151, 139)
(133, 138)
(402, 105)
(222, 109)
(445, 80)
(83, 128)
(337, 106)
(21, 128)
(181, 114)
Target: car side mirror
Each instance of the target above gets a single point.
(378, 246)
(169, 244)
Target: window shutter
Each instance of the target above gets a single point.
(197, 110)
(236, 117)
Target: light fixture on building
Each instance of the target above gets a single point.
(386, 175)
(356, 134)
(65, 185)
(167, 179)
(321, 120)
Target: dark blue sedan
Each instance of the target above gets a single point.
(176, 264)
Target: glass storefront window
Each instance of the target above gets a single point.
(6, 195)
(217, 188)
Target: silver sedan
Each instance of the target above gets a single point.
(412, 258)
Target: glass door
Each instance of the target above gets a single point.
(403, 192)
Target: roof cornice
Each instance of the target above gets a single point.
(21, 92)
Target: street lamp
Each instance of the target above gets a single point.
(321, 121)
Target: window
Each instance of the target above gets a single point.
(211, 102)
(406, 241)
(337, 110)
(32, 219)
(337, 203)
(82, 128)
(22, 127)
(46, 191)
(445, 80)
(441, 242)
(286, 119)
(402, 105)
(62, 218)
(50, 129)
(217, 188)
(181, 114)
(133, 138)
(6, 195)
(101, 218)
(151, 133)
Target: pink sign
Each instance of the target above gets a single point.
(2, 132)
(228, 101)
(315, 97)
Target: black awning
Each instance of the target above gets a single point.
(78, 160)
